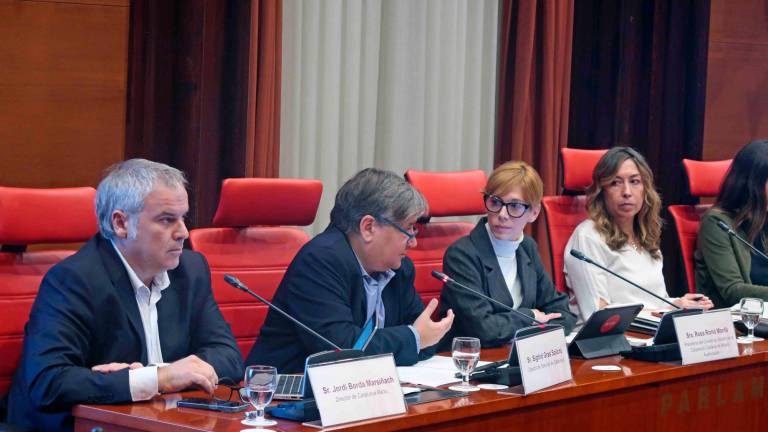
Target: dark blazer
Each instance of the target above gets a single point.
(86, 314)
(323, 288)
(472, 262)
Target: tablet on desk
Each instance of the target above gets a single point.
(603, 333)
(666, 331)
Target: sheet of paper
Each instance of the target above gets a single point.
(442, 362)
(648, 315)
(435, 371)
(640, 342)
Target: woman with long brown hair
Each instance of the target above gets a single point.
(622, 233)
(725, 270)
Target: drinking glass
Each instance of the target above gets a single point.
(751, 309)
(466, 353)
(260, 383)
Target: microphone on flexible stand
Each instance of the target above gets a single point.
(495, 374)
(724, 226)
(579, 255)
(305, 409)
(235, 282)
(450, 281)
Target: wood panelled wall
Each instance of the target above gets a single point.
(737, 77)
(63, 69)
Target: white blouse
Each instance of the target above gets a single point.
(587, 284)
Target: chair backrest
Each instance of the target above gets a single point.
(704, 180)
(577, 166)
(250, 241)
(456, 193)
(687, 219)
(27, 217)
(705, 177)
(563, 213)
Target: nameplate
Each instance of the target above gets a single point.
(543, 359)
(705, 337)
(356, 389)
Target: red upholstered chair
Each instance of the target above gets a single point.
(27, 217)
(564, 212)
(447, 194)
(250, 241)
(704, 179)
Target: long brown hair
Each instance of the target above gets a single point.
(742, 195)
(647, 223)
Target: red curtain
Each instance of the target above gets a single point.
(263, 118)
(534, 89)
(640, 79)
(204, 91)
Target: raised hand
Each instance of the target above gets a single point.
(430, 332)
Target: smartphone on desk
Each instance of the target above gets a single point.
(213, 404)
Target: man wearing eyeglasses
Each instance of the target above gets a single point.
(354, 271)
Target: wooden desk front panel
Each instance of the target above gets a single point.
(723, 395)
(727, 400)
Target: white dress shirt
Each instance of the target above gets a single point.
(506, 255)
(588, 284)
(143, 381)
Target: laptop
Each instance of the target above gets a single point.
(292, 386)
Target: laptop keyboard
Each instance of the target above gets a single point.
(289, 387)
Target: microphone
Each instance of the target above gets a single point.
(235, 282)
(578, 255)
(724, 226)
(450, 281)
(511, 374)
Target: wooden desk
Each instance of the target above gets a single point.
(723, 395)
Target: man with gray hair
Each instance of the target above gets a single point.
(354, 271)
(128, 316)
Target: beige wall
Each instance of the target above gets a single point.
(737, 77)
(63, 70)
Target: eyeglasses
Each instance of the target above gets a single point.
(234, 389)
(515, 209)
(410, 234)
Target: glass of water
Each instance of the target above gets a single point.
(260, 383)
(751, 309)
(466, 353)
